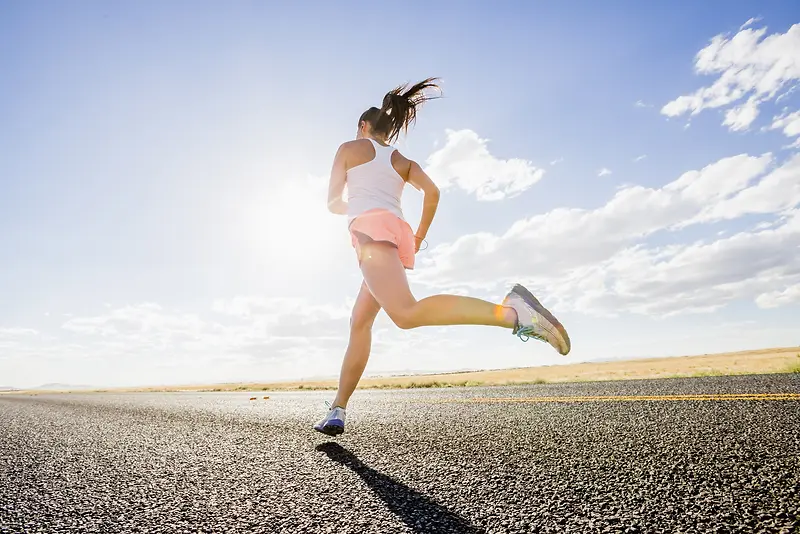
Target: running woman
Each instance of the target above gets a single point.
(385, 245)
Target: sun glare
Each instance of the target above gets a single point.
(293, 228)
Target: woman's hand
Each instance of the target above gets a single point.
(417, 242)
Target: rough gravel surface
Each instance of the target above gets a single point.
(411, 461)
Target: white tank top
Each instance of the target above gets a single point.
(374, 184)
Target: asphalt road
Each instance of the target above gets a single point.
(410, 461)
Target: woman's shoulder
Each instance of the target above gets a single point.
(355, 146)
(358, 151)
(355, 143)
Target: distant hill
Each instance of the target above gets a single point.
(61, 387)
(8, 388)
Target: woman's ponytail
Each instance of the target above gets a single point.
(399, 109)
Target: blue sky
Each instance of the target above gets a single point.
(163, 168)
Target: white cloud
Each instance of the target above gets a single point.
(597, 260)
(720, 180)
(773, 299)
(749, 65)
(466, 163)
(787, 93)
(603, 172)
(557, 161)
(287, 317)
(699, 277)
(774, 193)
(17, 332)
(244, 338)
(14, 341)
(639, 158)
(741, 117)
(749, 22)
(252, 327)
(789, 123)
(640, 104)
(252, 306)
(147, 319)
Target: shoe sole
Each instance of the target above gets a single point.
(544, 312)
(330, 430)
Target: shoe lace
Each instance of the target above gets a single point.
(329, 405)
(524, 333)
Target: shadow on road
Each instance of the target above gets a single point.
(420, 513)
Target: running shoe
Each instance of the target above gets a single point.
(333, 423)
(535, 321)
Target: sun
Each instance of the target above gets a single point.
(291, 227)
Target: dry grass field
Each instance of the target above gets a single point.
(776, 360)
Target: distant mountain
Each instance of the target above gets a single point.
(61, 387)
(8, 388)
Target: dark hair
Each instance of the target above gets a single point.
(399, 109)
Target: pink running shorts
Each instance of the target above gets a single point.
(383, 225)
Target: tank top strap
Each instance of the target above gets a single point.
(382, 153)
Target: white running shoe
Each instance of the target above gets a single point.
(333, 423)
(534, 320)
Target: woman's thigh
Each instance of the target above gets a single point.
(386, 279)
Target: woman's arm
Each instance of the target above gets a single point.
(336, 186)
(423, 182)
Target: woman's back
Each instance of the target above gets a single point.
(373, 182)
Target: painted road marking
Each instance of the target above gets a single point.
(628, 398)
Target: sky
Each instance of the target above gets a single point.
(164, 167)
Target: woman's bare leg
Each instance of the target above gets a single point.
(365, 310)
(386, 279)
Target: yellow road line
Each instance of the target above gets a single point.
(624, 398)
